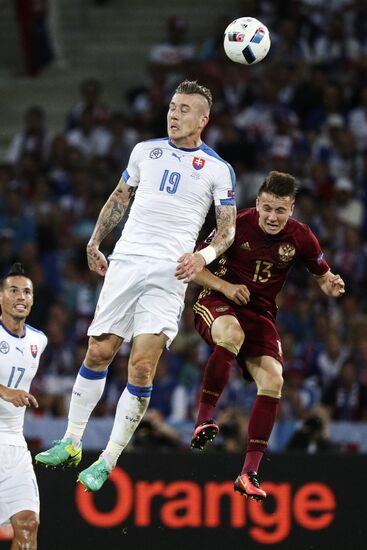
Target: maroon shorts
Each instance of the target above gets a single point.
(261, 335)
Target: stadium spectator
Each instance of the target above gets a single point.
(359, 354)
(348, 206)
(175, 55)
(33, 140)
(233, 432)
(89, 138)
(91, 97)
(155, 433)
(336, 47)
(330, 360)
(58, 375)
(123, 139)
(313, 434)
(18, 218)
(357, 120)
(32, 18)
(346, 397)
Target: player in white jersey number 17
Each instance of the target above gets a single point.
(21, 348)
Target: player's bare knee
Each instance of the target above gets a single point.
(99, 354)
(274, 380)
(237, 336)
(25, 527)
(278, 381)
(269, 379)
(141, 370)
(230, 336)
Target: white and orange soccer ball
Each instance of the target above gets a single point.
(246, 41)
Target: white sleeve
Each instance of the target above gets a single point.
(45, 340)
(132, 173)
(224, 186)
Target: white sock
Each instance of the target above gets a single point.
(129, 412)
(111, 453)
(85, 396)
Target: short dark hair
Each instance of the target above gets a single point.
(279, 184)
(192, 87)
(15, 270)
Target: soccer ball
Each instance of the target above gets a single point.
(246, 41)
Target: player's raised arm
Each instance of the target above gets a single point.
(110, 215)
(332, 285)
(189, 265)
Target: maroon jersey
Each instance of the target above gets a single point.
(262, 261)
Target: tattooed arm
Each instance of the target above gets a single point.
(110, 215)
(226, 227)
(189, 265)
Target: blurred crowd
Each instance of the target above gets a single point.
(302, 110)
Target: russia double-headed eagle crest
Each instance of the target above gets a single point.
(286, 252)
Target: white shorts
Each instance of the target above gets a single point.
(140, 295)
(18, 484)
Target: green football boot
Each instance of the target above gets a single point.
(62, 453)
(94, 477)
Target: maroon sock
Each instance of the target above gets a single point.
(216, 374)
(260, 426)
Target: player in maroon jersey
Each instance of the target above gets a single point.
(236, 311)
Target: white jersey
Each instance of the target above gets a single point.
(175, 189)
(19, 360)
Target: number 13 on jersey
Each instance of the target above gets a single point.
(262, 271)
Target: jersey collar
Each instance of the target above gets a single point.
(184, 148)
(12, 333)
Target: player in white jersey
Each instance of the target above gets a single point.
(174, 181)
(20, 349)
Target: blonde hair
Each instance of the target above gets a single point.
(192, 87)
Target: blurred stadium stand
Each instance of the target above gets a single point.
(110, 43)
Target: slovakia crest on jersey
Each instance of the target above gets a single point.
(34, 350)
(198, 163)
